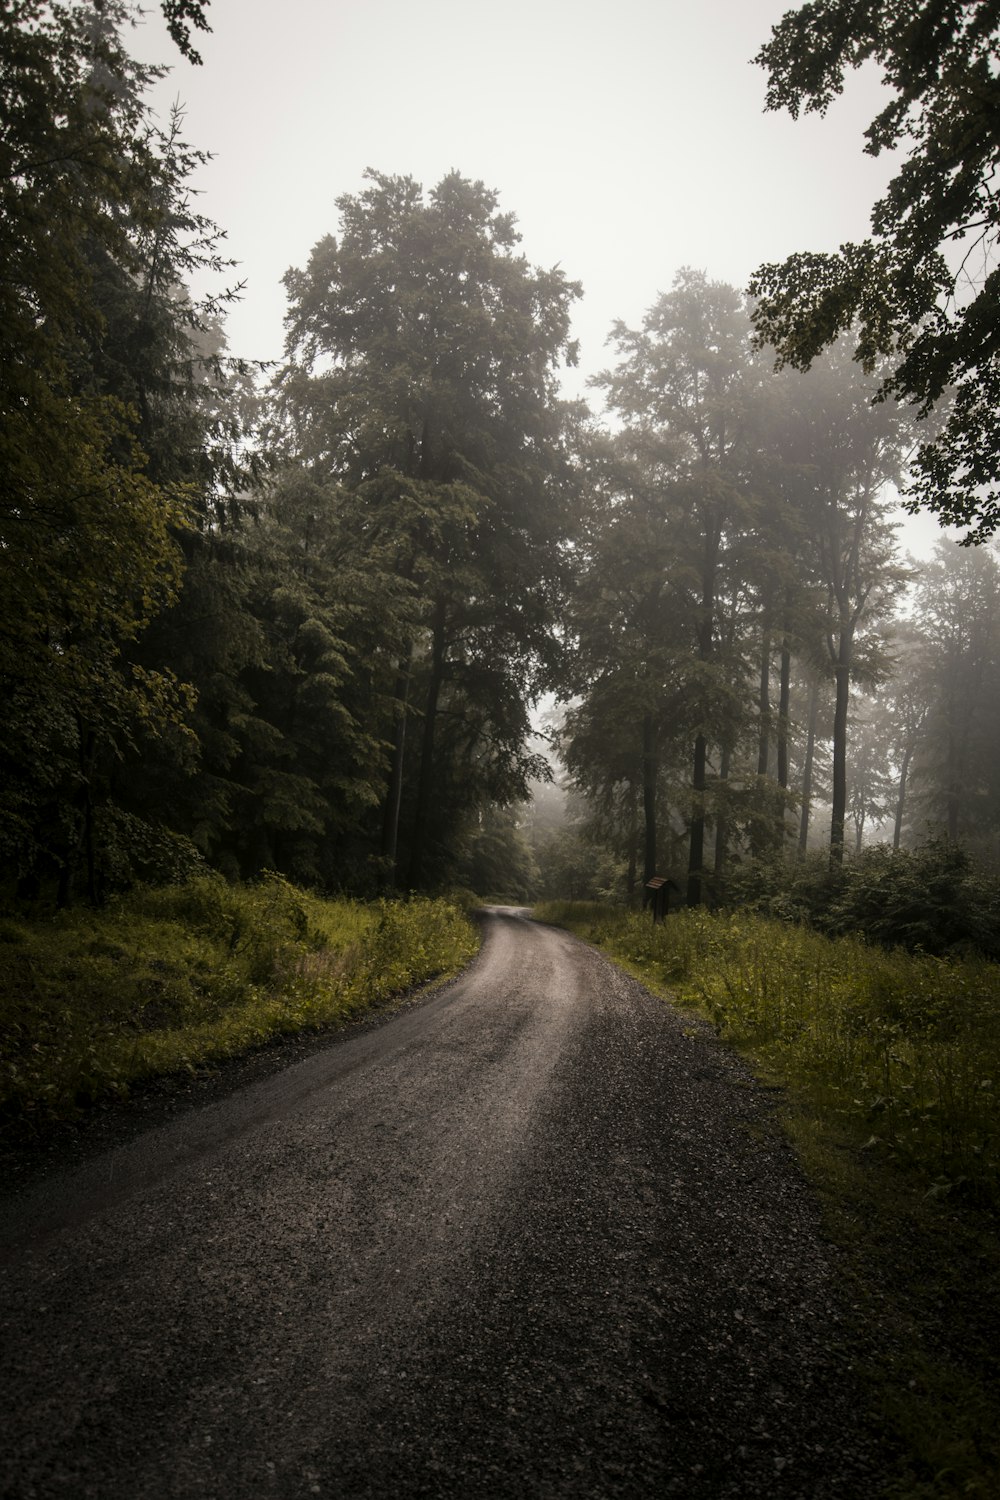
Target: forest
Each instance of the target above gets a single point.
(302, 662)
(302, 619)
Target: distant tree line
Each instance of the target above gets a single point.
(299, 621)
(749, 642)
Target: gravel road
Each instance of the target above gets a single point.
(535, 1236)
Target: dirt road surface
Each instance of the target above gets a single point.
(535, 1236)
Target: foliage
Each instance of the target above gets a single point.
(419, 400)
(736, 522)
(664, 560)
(839, 451)
(111, 435)
(498, 860)
(933, 899)
(181, 16)
(171, 978)
(922, 291)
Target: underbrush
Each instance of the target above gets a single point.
(168, 979)
(887, 1064)
(932, 899)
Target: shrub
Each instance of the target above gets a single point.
(933, 899)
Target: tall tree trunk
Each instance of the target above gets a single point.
(706, 632)
(722, 814)
(425, 784)
(952, 791)
(904, 771)
(650, 767)
(784, 694)
(764, 706)
(394, 789)
(696, 855)
(633, 845)
(807, 767)
(82, 843)
(843, 675)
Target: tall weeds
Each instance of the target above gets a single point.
(173, 978)
(903, 1047)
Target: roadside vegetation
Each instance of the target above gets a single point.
(886, 1064)
(172, 979)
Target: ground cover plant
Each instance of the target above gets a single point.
(887, 1066)
(166, 980)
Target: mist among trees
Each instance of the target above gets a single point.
(302, 619)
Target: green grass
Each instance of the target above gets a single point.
(171, 979)
(887, 1065)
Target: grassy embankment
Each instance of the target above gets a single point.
(887, 1066)
(172, 979)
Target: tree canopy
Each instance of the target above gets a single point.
(923, 292)
(420, 393)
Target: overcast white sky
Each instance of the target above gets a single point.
(629, 138)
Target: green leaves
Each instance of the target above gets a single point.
(419, 399)
(908, 294)
(113, 432)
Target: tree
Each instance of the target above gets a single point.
(629, 629)
(181, 16)
(87, 547)
(921, 294)
(872, 789)
(112, 436)
(901, 713)
(955, 778)
(420, 393)
(687, 376)
(843, 451)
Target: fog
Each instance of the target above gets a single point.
(629, 140)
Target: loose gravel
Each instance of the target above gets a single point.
(537, 1236)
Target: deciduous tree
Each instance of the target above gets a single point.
(919, 297)
(420, 389)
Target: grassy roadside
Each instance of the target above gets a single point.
(887, 1067)
(169, 980)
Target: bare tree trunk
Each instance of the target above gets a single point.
(706, 630)
(697, 848)
(649, 775)
(807, 767)
(784, 693)
(633, 845)
(722, 815)
(82, 842)
(425, 785)
(843, 674)
(953, 792)
(764, 706)
(904, 771)
(394, 790)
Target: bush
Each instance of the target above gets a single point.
(933, 899)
